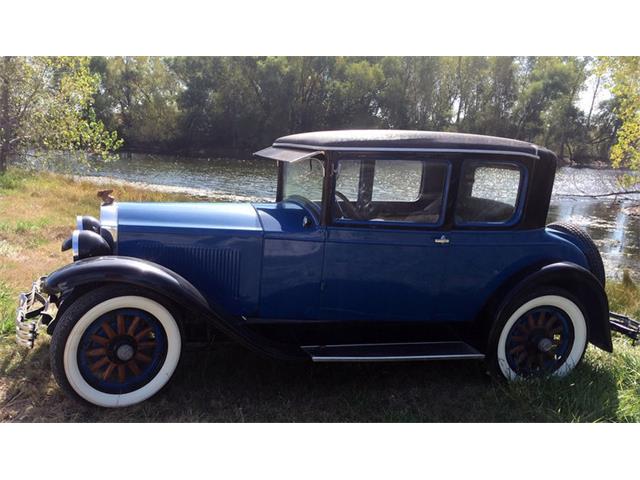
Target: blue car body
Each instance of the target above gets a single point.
(300, 272)
(258, 261)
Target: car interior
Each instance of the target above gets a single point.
(479, 203)
(425, 209)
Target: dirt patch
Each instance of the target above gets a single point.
(59, 232)
(10, 251)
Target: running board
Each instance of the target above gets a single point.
(393, 352)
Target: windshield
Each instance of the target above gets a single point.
(304, 179)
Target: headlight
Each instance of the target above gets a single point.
(87, 222)
(93, 238)
(85, 244)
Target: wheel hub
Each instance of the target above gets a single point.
(125, 352)
(545, 345)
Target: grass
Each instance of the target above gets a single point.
(230, 384)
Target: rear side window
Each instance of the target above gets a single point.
(488, 194)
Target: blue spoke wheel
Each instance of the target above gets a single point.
(122, 350)
(115, 346)
(546, 334)
(539, 341)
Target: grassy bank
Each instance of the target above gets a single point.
(228, 383)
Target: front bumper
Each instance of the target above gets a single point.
(34, 308)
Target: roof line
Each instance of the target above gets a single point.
(404, 149)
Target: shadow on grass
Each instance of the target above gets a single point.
(230, 384)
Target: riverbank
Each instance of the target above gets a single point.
(188, 192)
(229, 383)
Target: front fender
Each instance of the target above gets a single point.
(133, 271)
(159, 279)
(580, 282)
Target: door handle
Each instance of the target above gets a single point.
(442, 240)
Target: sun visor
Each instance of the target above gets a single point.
(286, 154)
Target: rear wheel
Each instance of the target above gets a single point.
(115, 347)
(540, 334)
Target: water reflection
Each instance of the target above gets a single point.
(616, 233)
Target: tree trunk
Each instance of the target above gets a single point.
(593, 101)
(460, 100)
(5, 136)
(3, 158)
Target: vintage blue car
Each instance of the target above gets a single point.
(381, 245)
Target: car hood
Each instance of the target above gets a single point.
(181, 215)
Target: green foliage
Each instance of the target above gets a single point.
(11, 180)
(233, 105)
(624, 77)
(236, 104)
(625, 296)
(138, 98)
(46, 103)
(7, 309)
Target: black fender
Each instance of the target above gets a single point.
(151, 276)
(569, 276)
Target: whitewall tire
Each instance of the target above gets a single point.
(544, 335)
(115, 350)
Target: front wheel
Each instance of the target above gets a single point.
(115, 347)
(540, 334)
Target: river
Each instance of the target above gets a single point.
(615, 231)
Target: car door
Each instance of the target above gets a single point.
(485, 246)
(384, 252)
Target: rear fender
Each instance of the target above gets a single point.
(73, 279)
(568, 276)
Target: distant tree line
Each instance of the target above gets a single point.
(233, 105)
(230, 106)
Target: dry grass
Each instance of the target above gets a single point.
(230, 384)
(38, 212)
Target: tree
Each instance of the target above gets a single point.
(138, 98)
(46, 103)
(624, 78)
(233, 105)
(353, 92)
(418, 92)
(562, 118)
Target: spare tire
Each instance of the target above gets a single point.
(584, 242)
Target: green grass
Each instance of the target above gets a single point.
(12, 179)
(624, 296)
(230, 384)
(7, 308)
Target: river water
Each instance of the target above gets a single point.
(615, 231)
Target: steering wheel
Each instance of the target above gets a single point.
(348, 206)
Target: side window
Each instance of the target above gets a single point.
(488, 193)
(390, 191)
(397, 181)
